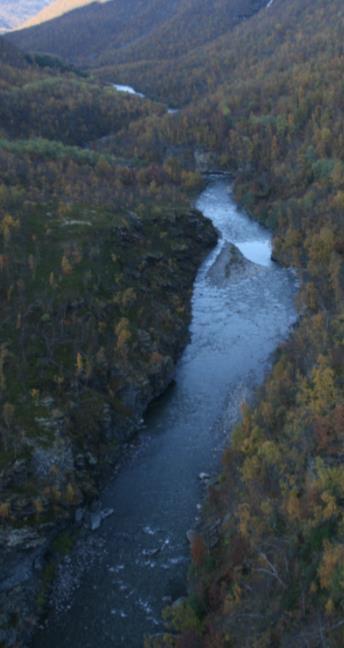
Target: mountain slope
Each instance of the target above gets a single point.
(123, 31)
(10, 55)
(236, 55)
(83, 34)
(55, 9)
(194, 24)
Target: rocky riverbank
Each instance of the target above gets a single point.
(79, 438)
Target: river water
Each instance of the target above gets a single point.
(127, 89)
(130, 90)
(239, 318)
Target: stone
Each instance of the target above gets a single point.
(191, 535)
(205, 161)
(229, 260)
(106, 513)
(24, 538)
(226, 520)
(92, 460)
(79, 515)
(18, 575)
(95, 521)
(178, 602)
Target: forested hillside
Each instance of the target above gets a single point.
(264, 102)
(90, 243)
(135, 31)
(293, 32)
(273, 114)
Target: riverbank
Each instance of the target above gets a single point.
(86, 443)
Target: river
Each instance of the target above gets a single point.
(130, 90)
(238, 320)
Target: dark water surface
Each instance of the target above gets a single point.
(237, 323)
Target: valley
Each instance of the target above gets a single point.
(112, 290)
